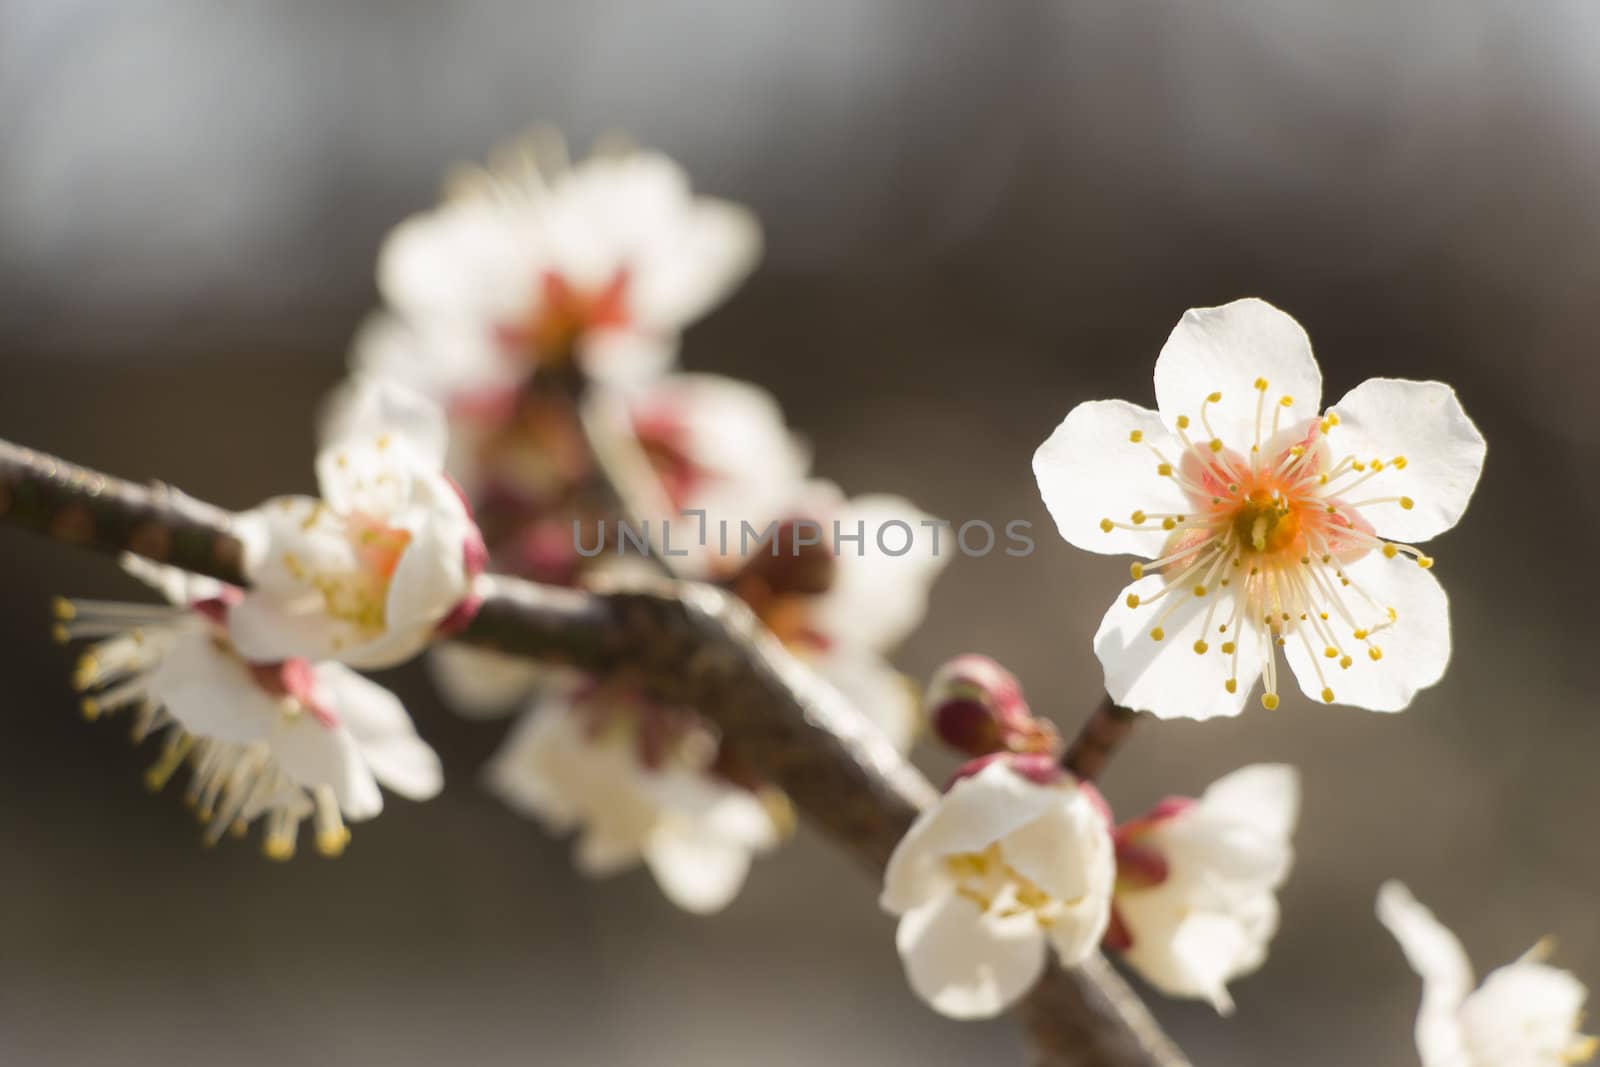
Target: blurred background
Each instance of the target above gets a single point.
(977, 215)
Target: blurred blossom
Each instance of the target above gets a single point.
(1270, 525)
(1197, 881)
(1525, 1014)
(280, 741)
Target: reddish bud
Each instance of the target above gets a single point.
(1036, 767)
(976, 706)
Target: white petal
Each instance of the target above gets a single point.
(1526, 1014)
(431, 577)
(1226, 350)
(1167, 677)
(533, 772)
(1436, 954)
(467, 263)
(370, 407)
(1067, 851)
(715, 245)
(479, 683)
(313, 754)
(972, 815)
(399, 759)
(1383, 418)
(1262, 796)
(697, 869)
(963, 967)
(880, 692)
(1415, 650)
(178, 586)
(627, 359)
(1089, 471)
(210, 692)
(878, 598)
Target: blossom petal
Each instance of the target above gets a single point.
(1167, 677)
(367, 408)
(388, 740)
(1437, 956)
(1262, 796)
(1414, 650)
(964, 967)
(1422, 422)
(697, 869)
(479, 683)
(313, 754)
(210, 692)
(1525, 1014)
(1067, 851)
(878, 597)
(1090, 470)
(465, 263)
(973, 814)
(1227, 350)
(880, 692)
(626, 359)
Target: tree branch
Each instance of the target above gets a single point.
(691, 643)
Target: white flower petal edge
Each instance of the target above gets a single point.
(282, 742)
(1525, 1014)
(1219, 861)
(1267, 524)
(367, 574)
(696, 833)
(880, 586)
(997, 869)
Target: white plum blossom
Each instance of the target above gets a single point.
(280, 742)
(534, 262)
(637, 783)
(1263, 522)
(368, 573)
(1013, 861)
(1196, 900)
(1525, 1014)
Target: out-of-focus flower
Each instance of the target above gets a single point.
(638, 782)
(533, 263)
(976, 707)
(281, 742)
(1526, 1014)
(841, 587)
(1265, 525)
(1014, 859)
(1197, 880)
(369, 573)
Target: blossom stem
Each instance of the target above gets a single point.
(1098, 739)
(695, 645)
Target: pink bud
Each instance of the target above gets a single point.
(976, 706)
(1036, 767)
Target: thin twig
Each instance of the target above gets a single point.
(1098, 740)
(693, 643)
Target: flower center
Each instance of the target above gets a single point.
(565, 312)
(999, 889)
(1266, 522)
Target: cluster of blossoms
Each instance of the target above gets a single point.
(540, 305)
(517, 394)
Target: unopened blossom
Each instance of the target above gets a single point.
(1014, 861)
(638, 783)
(1264, 523)
(1525, 1014)
(369, 572)
(278, 742)
(534, 263)
(976, 706)
(1197, 881)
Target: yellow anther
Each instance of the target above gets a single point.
(278, 848)
(1137, 570)
(1157, 634)
(1199, 590)
(1269, 701)
(1327, 695)
(90, 708)
(1407, 503)
(1345, 661)
(1107, 525)
(1322, 479)
(1360, 635)
(1331, 652)
(1228, 647)
(1165, 470)
(1399, 463)
(1183, 422)
(1216, 444)
(1138, 518)
(59, 634)
(1425, 562)
(1358, 465)
(1393, 614)
(383, 442)
(1374, 653)
(1213, 398)
(331, 843)
(1286, 401)
(1169, 523)
(1377, 464)
(1333, 418)
(1231, 685)
(1390, 552)
(63, 608)
(1136, 436)
(1261, 384)
(1201, 648)
(1297, 451)
(1133, 600)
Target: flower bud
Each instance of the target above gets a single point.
(976, 707)
(796, 560)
